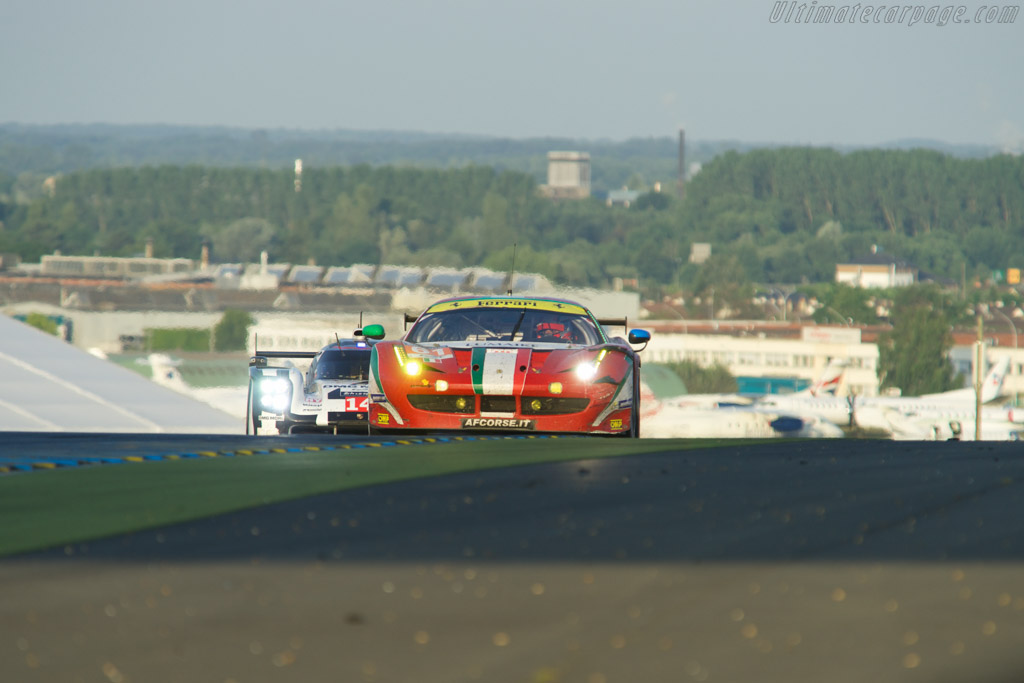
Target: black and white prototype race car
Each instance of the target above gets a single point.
(330, 396)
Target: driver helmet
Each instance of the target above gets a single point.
(551, 330)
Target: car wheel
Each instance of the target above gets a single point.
(252, 423)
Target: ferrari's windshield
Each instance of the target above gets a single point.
(505, 324)
(343, 364)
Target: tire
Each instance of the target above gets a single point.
(251, 423)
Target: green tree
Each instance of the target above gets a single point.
(241, 240)
(43, 322)
(177, 339)
(699, 380)
(232, 332)
(842, 302)
(352, 231)
(913, 356)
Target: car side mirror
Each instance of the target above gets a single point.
(372, 332)
(639, 337)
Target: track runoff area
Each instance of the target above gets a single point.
(511, 559)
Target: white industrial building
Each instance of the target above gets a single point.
(804, 358)
(876, 271)
(568, 175)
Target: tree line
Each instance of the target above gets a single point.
(771, 215)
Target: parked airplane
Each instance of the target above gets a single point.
(997, 424)
(825, 385)
(901, 415)
(735, 415)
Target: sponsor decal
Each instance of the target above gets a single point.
(624, 403)
(378, 398)
(615, 424)
(344, 390)
(429, 355)
(352, 404)
(383, 419)
(498, 423)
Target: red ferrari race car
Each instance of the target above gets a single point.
(507, 364)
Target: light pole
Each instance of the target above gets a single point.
(846, 321)
(681, 316)
(1013, 328)
(979, 358)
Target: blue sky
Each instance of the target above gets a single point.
(532, 68)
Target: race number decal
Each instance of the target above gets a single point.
(355, 404)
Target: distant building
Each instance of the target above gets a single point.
(112, 266)
(568, 175)
(700, 252)
(624, 197)
(772, 357)
(876, 270)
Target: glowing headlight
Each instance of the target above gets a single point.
(273, 386)
(274, 394)
(586, 371)
(441, 385)
(411, 367)
(555, 387)
(276, 403)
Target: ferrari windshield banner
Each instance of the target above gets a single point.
(531, 304)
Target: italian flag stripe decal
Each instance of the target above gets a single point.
(494, 371)
(477, 369)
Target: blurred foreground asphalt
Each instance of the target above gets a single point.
(838, 560)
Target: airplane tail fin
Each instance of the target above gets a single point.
(993, 384)
(165, 371)
(828, 383)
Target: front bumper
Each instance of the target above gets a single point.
(561, 415)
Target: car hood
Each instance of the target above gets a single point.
(453, 357)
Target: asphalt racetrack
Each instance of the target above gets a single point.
(245, 559)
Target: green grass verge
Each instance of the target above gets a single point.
(45, 509)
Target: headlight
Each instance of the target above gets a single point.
(586, 371)
(411, 367)
(274, 394)
(441, 385)
(274, 386)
